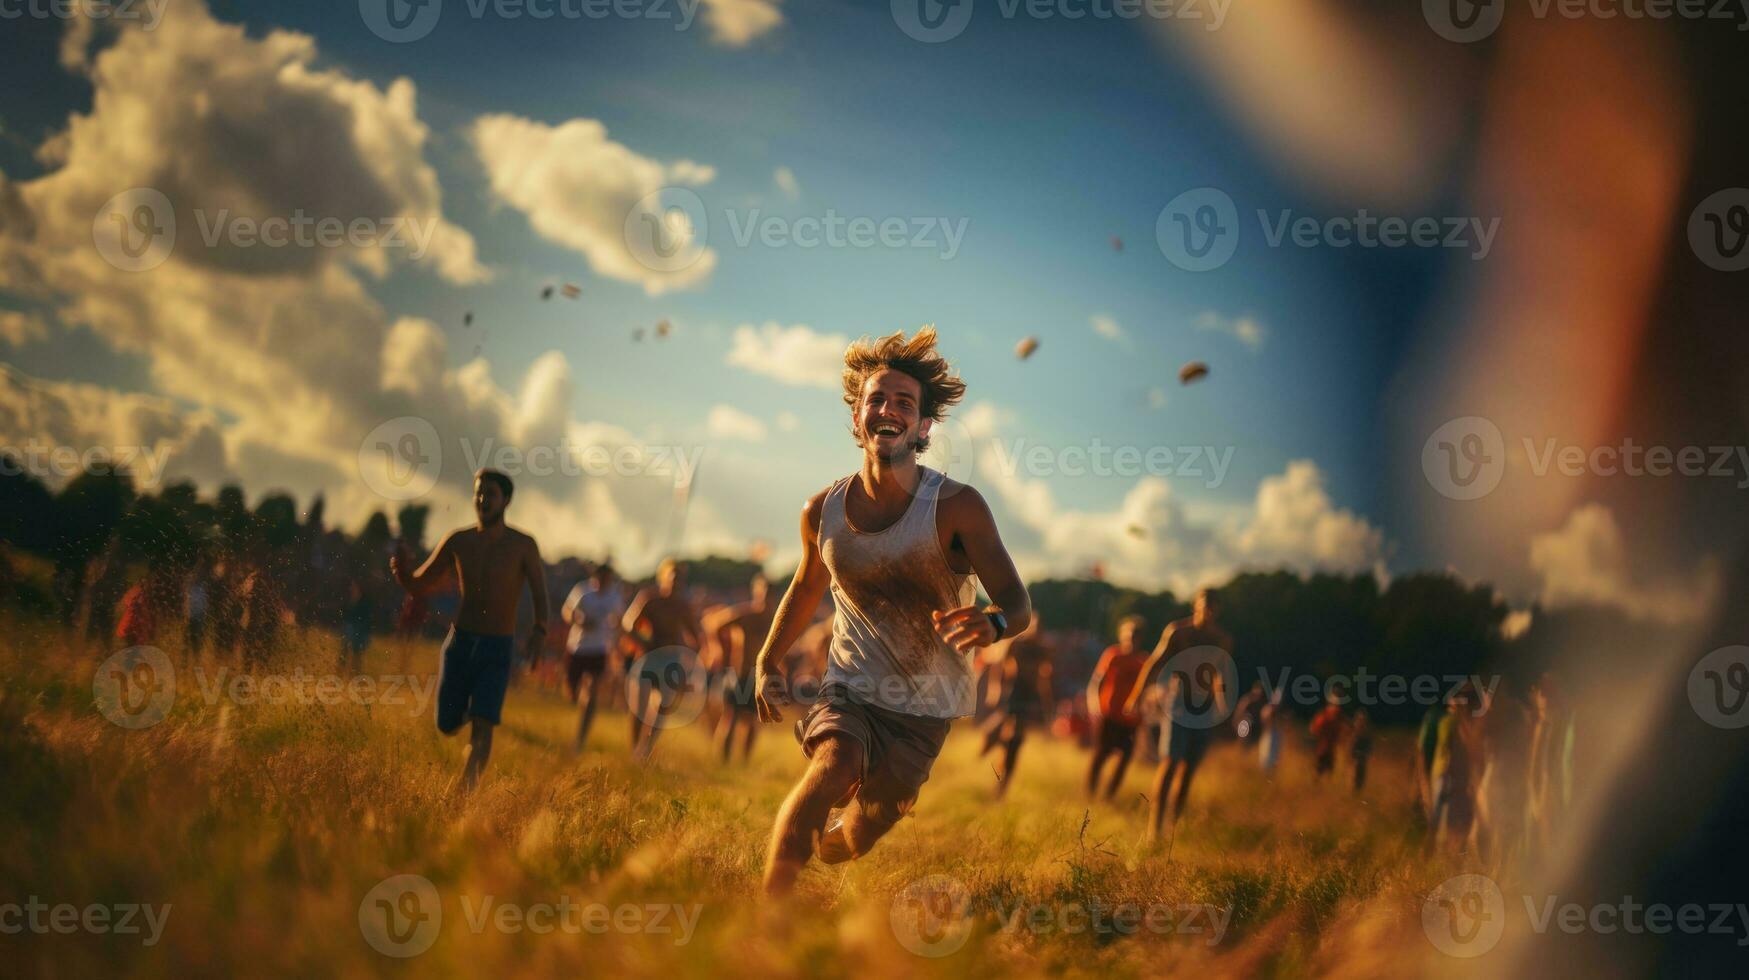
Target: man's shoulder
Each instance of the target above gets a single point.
(956, 498)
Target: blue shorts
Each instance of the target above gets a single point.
(474, 676)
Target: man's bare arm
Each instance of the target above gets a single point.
(430, 575)
(634, 612)
(974, 527)
(1155, 659)
(795, 612)
(536, 572)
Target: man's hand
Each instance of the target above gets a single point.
(536, 644)
(965, 629)
(769, 693)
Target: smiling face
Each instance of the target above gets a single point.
(889, 418)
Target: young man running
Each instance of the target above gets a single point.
(491, 562)
(662, 621)
(735, 632)
(1196, 700)
(897, 543)
(1114, 727)
(592, 610)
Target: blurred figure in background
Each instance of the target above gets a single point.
(1426, 749)
(1027, 698)
(744, 625)
(592, 611)
(355, 622)
(198, 607)
(1503, 783)
(1360, 748)
(661, 618)
(1269, 734)
(1195, 700)
(137, 624)
(1114, 726)
(1453, 774)
(1327, 728)
(1550, 776)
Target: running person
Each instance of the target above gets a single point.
(491, 562)
(1107, 690)
(1195, 700)
(1025, 678)
(593, 610)
(740, 627)
(661, 618)
(897, 544)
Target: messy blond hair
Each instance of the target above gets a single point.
(916, 357)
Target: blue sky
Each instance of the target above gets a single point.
(1045, 138)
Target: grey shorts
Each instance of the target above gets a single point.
(898, 750)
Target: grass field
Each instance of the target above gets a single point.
(265, 826)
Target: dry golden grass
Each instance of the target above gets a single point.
(265, 825)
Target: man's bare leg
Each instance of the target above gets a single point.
(1117, 773)
(834, 769)
(752, 724)
(1093, 768)
(479, 750)
(586, 708)
(1162, 788)
(1189, 771)
(1010, 756)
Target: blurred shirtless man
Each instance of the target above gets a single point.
(491, 562)
(1196, 701)
(735, 633)
(665, 626)
(898, 544)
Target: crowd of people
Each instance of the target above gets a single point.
(879, 673)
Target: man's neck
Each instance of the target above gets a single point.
(886, 480)
(490, 527)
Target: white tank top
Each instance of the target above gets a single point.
(885, 585)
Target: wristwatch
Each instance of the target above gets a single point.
(999, 621)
